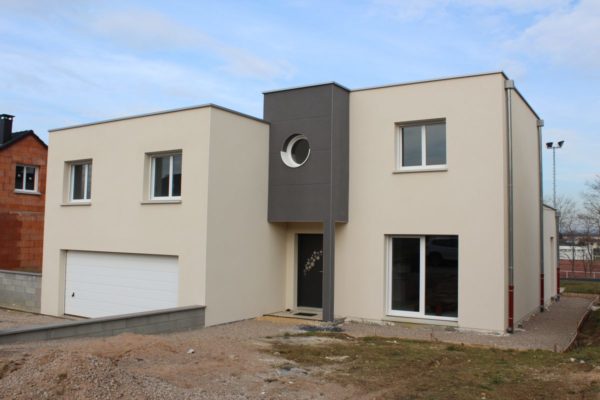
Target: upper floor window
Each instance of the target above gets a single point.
(165, 176)
(26, 179)
(81, 181)
(421, 146)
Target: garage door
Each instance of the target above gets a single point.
(103, 284)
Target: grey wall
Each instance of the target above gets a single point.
(147, 323)
(303, 194)
(20, 290)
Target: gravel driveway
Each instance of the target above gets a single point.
(233, 361)
(18, 319)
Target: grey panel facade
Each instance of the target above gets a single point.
(318, 190)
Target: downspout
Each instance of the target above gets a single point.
(509, 85)
(540, 124)
(557, 253)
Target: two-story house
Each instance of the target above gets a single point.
(415, 202)
(22, 184)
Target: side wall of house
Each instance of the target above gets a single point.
(119, 219)
(550, 258)
(468, 199)
(245, 253)
(22, 214)
(526, 209)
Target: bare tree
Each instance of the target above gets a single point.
(568, 216)
(589, 223)
(591, 202)
(587, 241)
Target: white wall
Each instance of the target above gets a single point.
(526, 210)
(468, 200)
(550, 259)
(245, 254)
(116, 220)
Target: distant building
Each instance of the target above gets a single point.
(22, 186)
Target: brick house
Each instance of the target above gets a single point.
(23, 158)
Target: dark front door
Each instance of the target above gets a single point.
(310, 270)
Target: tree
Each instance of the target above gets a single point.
(568, 216)
(589, 220)
(591, 203)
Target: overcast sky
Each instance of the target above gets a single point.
(68, 62)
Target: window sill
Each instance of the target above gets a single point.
(170, 201)
(29, 192)
(433, 168)
(81, 203)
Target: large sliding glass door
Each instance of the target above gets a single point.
(423, 276)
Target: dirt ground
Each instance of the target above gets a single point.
(225, 362)
(271, 358)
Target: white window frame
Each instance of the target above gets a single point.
(87, 198)
(153, 158)
(389, 267)
(35, 184)
(423, 167)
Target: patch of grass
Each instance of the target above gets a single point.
(588, 341)
(425, 370)
(574, 286)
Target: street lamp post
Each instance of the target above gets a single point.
(551, 145)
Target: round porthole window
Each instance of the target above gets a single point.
(296, 151)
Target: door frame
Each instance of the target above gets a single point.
(291, 260)
(388, 275)
(296, 272)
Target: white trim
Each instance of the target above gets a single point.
(286, 153)
(422, 271)
(427, 168)
(23, 189)
(87, 198)
(423, 167)
(169, 197)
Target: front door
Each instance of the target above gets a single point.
(310, 270)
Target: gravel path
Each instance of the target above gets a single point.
(18, 319)
(551, 330)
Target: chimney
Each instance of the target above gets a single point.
(5, 127)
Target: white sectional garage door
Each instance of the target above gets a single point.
(103, 284)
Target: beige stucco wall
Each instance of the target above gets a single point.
(468, 200)
(245, 254)
(116, 221)
(526, 209)
(550, 259)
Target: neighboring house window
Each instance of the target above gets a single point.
(81, 181)
(166, 176)
(26, 178)
(423, 276)
(421, 146)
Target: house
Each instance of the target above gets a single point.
(416, 202)
(22, 186)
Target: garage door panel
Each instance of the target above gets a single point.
(103, 284)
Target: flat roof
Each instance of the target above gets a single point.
(451, 77)
(296, 88)
(308, 86)
(159, 113)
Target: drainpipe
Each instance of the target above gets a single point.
(509, 85)
(540, 124)
(557, 259)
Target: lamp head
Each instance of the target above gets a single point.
(549, 145)
(560, 144)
